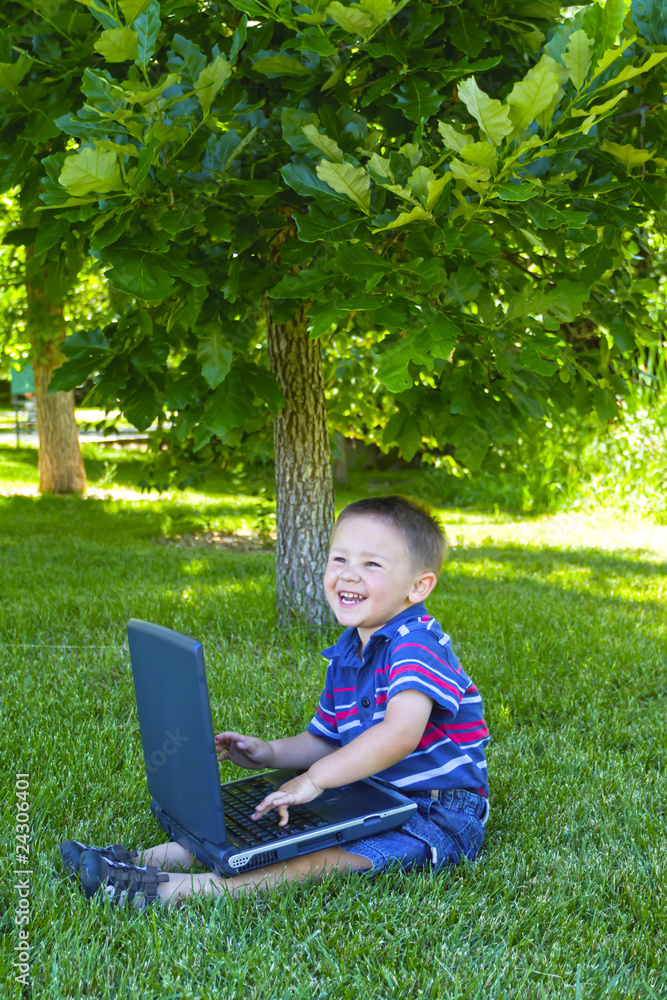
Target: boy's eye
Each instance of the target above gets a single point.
(369, 563)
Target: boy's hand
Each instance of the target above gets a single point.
(294, 792)
(245, 751)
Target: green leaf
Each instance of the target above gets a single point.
(393, 361)
(491, 116)
(20, 237)
(299, 286)
(85, 351)
(418, 100)
(626, 154)
(530, 96)
(323, 143)
(435, 189)
(312, 18)
(220, 151)
(251, 7)
(517, 192)
(600, 109)
(14, 159)
(50, 232)
(470, 174)
(379, 11)
(467, 33)
(358, 262)
(293, 121)
(405, 218)
(132, 8)
(91, 170)
(193, 58)
(452, 139)
(139, 94)
(419, 181)
(100, 11)
(281, 65)
(531, 358)
(565, 302)
(118, 45)
(177, 218)
(350, 19)
(401, 192)
(147, 26)
(353, 182)
(210, 81)
(606, 404)
(303, 179)
(11, 74)
(139, 274)
(238, 39)
(482, 154)
(631, 71)
(603, 22)
(471, 445)
(318, 226)
(227, 407)
(380, 167)
(650, 17)
(214, 354)
(596, 260)
(577, 58)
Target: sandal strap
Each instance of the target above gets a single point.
(117, 852)
(128, 881)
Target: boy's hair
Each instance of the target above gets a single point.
(424, 535)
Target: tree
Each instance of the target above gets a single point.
(35, 87)
(38, 306)
(457, 182)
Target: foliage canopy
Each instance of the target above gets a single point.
(467, 187)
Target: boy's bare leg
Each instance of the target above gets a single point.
(169, 857)
(315, 865)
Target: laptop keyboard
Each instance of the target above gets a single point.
(239, 803)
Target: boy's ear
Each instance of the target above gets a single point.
(422, 587)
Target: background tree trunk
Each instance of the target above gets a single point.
(61, 468)
(304, 490)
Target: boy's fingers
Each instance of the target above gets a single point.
(276, 800)
(283, 812)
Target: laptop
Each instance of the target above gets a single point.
(211, 820)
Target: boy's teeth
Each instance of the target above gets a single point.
(348, 598)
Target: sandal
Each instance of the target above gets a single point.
(71, 851)
(118, 883)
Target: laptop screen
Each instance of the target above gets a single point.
(176, 728)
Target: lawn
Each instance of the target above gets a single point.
(560, 620)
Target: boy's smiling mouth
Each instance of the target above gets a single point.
(349, 599)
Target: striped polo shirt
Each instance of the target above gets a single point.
(410, 653)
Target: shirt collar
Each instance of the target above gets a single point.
(348, 643)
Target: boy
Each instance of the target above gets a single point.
(396, 704)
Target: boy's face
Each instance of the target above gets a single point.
(370, 577)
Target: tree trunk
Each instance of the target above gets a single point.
(61, 468)
(304, 490)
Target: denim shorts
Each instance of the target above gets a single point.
(443, 831)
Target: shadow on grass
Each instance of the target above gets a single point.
(159, 518)
(550, 559)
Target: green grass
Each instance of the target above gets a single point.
(561, 623)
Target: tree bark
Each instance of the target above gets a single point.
(304, 489)
(61, 468)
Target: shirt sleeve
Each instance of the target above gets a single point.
(323, 723)
(421, 661)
